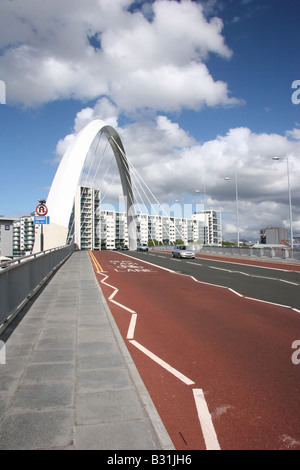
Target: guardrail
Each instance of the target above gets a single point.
(258, 252)
(21, 278)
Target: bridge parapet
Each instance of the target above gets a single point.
(20, 279)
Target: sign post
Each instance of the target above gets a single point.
(41, 219)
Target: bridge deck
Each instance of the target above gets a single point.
(68, 381)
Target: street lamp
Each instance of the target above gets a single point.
(237, 207)
(290, 197)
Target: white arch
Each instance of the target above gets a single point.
(62, 192)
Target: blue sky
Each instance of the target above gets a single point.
(197, 90)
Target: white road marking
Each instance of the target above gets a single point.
(289, 282)
(111, 297)
(122, 306)
(253, 265)
(209, 433)
(208, 430)
(268, 302)
(131, 329)
(235, 292)
(162, 363)
(254, 275)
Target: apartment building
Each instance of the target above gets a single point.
(114, 233)
(202, 228)
(6, 237)
(84, 225)
(207, 227)
(23, 235)
(94, 229)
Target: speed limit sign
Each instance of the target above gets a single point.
(41, 209)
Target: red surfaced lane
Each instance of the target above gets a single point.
(238, 352)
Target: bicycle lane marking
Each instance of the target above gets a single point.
(201, 406)
(128, 300)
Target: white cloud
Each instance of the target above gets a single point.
(173, 165)
(48, 54)
(153, 58)
(294, 134)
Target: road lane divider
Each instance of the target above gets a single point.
(225, 287)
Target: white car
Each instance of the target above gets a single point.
(183, 251)
(142, 247)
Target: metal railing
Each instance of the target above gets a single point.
(255, 252)
(21, 278)
(258, 252)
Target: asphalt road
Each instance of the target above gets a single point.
(216, 361)
(266, 281)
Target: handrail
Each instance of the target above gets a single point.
(20, 279)
(21, 259)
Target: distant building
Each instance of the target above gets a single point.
(94, 229)
(6, 237)
(84, 225)
(207, 227)
(23, 235)
(274, 236)
(91, 228)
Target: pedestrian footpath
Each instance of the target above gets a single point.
(68, 381)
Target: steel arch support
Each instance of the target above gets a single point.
(62, 192)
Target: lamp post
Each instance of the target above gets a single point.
(237, 207)
(204, 207)
(290, 197)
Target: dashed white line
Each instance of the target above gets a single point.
(218, 285)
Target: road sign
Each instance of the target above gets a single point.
(41, 209)
(41, 220)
